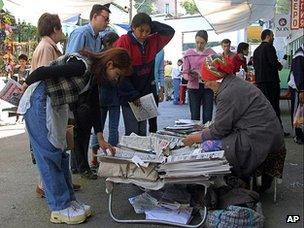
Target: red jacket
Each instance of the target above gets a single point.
(238, 62)
(141, 82)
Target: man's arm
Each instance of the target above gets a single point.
(272, 57)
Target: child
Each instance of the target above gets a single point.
(21, 71)
(143, 42)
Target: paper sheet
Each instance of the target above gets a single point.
(146, 110)
(10, 92)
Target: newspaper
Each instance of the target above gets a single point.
(136, 142)
(147, 108)
(127, 155)
(10, 92)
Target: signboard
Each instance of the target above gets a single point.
(282, 25)
(254, 33)
(297, 14)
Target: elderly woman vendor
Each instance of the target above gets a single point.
(245, 124)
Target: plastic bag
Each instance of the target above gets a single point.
(298, 119)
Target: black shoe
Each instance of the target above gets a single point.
(89, 175)
(298, 140)
(74, 171)
(286, 134)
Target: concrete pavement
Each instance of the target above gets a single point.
(20, 206)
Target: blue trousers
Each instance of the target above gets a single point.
(176, 83)
(197, 98)
(114, 114)
(53, 163)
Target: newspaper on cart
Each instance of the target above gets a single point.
(10, 93)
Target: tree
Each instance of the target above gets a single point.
(145, 6)
(24, 32)
(189, 6)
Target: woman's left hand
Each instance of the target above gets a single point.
(188, 141)
(105, 146)
(191, 139)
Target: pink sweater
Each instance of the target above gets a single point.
(192, 61)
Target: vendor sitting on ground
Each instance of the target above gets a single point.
(245, 125)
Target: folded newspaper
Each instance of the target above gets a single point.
(10, 92)
(147, 108)
(194, 164)
(154, 143)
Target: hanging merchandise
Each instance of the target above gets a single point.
(6, 39)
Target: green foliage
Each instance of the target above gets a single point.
(145, 6)
(283, 6)
(6, 18)
(24, 32)
(189, 6)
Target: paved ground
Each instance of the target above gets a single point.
(21, 208)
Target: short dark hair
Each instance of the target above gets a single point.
(23, 56)
(242, 46)
(225, 41)
(141, 19)
(47, 23)
(266, 32)
(203, 34)
(97, 8)
(180, 60)
(110, 38)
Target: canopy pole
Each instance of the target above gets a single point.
(130, 11)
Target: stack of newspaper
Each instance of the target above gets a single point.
(154, 143)
(182, 128)
(198, 165)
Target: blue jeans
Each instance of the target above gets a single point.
(53, 163)
(131, 123)
(114, 114)
(176, 83)
(198, 97)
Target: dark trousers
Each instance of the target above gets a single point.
(294, 105)
(272, 93)
(198, 97)
(153, 121)
(131, 123)
(82, 133)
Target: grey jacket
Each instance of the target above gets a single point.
(247, 124)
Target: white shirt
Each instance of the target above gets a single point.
(176, 72)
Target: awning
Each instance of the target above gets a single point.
(231, 15)
(31, 10)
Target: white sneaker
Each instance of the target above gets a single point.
(70, 215)
(86, 208)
